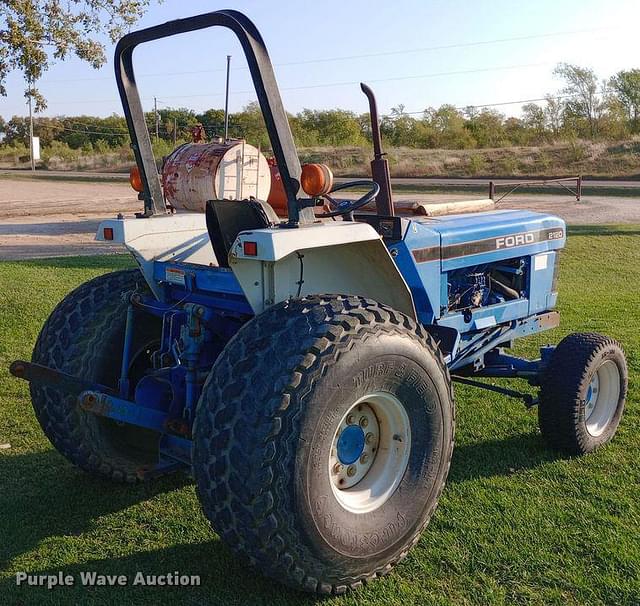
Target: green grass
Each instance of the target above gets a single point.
(517, 524)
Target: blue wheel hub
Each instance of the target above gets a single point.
(350, 444)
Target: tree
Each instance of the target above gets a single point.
(333, 126)
(553, 114)
(449, 127)
(534, 120)
(471, 112)
(625, 85)
(16, 130)
(583, 105)
(34, 33)
(401, 129)
(516, 132)
(249, 124)
(487, 128)
(213, 122)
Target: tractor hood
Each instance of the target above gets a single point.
(491, 236)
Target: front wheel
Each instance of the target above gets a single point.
(323, 440)
(583, 393)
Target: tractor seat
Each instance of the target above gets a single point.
(227, 218)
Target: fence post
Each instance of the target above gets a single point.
(579, 188)
(492, 190)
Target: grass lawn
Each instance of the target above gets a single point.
(517, 524)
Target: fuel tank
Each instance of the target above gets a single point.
(196, 172)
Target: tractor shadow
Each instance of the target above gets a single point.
(106, 262)
(223, 580)
(43, 495)
(48, 228)
(500, 457)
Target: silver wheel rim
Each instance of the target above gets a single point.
(370, 452)
(601, 398)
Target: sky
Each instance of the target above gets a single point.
(415, 53)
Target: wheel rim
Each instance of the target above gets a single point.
(370, 452)
(602, 397)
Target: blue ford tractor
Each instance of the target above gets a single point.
(302, 369)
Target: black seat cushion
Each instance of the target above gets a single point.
(227, 218)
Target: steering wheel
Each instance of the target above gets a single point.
(346, 207)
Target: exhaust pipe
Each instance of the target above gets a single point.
(379, 164)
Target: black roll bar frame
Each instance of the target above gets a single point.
(267, 91)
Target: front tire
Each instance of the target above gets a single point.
(583, 393)
(323, 440)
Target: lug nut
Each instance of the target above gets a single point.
(364, 458)
(364, 421)
(370, 438)
(351, 420)
(351, 471)
(337, 468)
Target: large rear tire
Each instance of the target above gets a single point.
(84, 337)
(323, 439)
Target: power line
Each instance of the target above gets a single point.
(85, 128)
(445, 46)
(346, 82)
(115, 132)
(367, 55)
(81, 131)
(500, 103)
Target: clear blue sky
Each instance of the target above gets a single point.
(305, 31)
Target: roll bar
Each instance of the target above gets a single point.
(267, 91)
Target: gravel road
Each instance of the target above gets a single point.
(44, 218)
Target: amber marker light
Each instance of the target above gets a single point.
(135, 179)
(316, 179)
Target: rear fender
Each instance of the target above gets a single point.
(179, 238)
(323, 258)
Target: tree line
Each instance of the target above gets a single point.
(586, 108)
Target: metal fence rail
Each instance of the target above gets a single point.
(515, 185)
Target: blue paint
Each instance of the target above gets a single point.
(123, 383)
(154, 392)
(129, 412)
(350, 444)
(214, 287)
(452, 282)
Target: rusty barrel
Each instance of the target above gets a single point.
(196, 172)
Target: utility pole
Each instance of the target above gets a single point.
(155, 115)
(33, 161)
(175, 131)
(226, 101)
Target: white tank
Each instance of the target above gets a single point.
(196, 172)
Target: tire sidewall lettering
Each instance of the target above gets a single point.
(365, 535)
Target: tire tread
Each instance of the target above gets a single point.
(308, 342)
(72, 339)
(560, 407)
